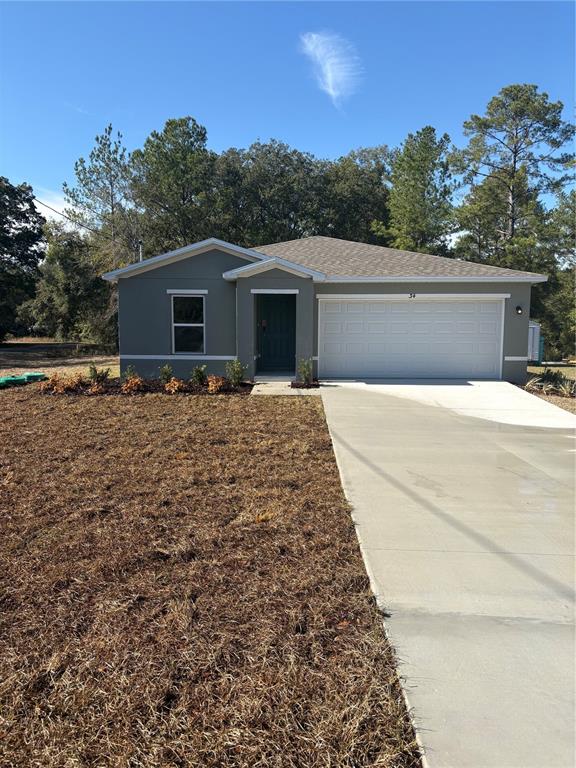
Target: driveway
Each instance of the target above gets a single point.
(463, 496)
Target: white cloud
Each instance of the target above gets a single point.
(336, 64)
(52, 198)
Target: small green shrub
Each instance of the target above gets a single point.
(199, 376)
(235, 372)
(130, 373)
(305, 371)
(98, 375)
(166, 373)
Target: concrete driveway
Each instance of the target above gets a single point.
(463, 496)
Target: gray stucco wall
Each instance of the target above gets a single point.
(515, 326)
(145, 318)
(274, 279)
(145, 314)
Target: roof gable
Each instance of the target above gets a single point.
(185, 252)
(273, 263)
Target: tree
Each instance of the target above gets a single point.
(21, 247)
(102, 200)
(519, 141)
(173, 185)
(353, 195)
(563, 221)
(420, 195)
(269, 192)
(72, 301)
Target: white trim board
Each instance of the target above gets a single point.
(412, 296)
(281, 291)
(272, 263)
(513, 359)
(428, 279)
(187, 291)
(177, 357)
(183, 253)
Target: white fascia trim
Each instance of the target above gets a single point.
(412, 296)
(512, 359)
(183, 253)
(421, 279)
(177, 357)
(275, 290)
(187, 291)
(272, 263)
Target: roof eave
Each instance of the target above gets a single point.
(435, 279)
(181, 253)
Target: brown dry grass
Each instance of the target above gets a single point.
(12, 363)
(182, 586)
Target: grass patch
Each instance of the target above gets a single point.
(182, 586)
(568, 370)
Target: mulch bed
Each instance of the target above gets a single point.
(304, 385)
(181, 585)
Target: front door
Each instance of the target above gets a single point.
(276, 333)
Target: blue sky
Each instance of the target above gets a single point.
(241, 69)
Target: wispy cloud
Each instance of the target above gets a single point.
(336, 64)
(52, 198)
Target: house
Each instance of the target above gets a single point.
(357, 310)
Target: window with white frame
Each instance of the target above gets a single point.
(188, 324)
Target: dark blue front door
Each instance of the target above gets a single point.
(276, 333)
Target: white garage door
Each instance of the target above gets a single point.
(410, 338)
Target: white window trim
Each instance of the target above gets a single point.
(513, 359)
(282, 291)
(202, 325)
(187, 291)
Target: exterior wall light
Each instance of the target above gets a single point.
(519, 310)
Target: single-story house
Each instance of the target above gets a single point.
(356, 310)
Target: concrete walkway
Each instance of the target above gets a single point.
(463, 496)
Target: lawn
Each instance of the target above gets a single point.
(50, 358)
(182, 586)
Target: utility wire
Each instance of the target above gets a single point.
(76, 223)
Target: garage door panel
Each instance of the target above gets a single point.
(436, 339)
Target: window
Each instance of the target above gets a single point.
(188, 324)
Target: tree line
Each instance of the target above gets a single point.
(502, 199)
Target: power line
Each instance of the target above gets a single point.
(76, 223)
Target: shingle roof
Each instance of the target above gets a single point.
(345, 258)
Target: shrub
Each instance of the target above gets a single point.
(130, 373)
(552, 383)
(69, 384)
(175, 385)
(96, 388)
(166, 373)
(51, 382)
(132, 384)
(216, 384)
(305, 369)
(98, 375)
(198, 376)
(235, 372)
